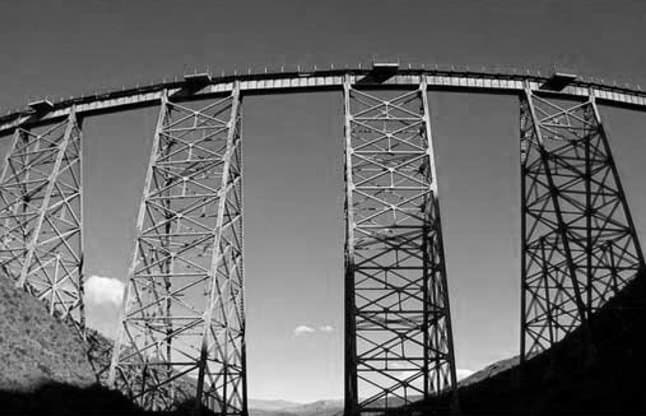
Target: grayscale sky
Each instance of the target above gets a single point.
(293, 148)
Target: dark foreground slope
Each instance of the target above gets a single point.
(44, 364)
(572, 378)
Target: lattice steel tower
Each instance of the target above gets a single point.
(399, 345)
(41, 214)
(182, 333)
(579, 245)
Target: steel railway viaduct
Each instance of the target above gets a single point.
(183, 321)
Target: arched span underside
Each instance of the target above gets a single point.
(182, 332)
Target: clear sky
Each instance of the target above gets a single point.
(293, 148)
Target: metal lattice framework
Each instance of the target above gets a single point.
(182, 333)
(183, 326)
(41, 215)
(399, 345)
(579, 242)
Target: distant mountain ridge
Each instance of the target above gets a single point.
(271, 404)
(286, 408)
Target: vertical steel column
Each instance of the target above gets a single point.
(440, 353)
(603, 148)
(578, 235)
(41, 213)
(399, 346)
(350, 356)
(182, 328)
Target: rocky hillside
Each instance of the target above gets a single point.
(35, 347)
(46, 368)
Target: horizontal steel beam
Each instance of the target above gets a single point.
(280, 83)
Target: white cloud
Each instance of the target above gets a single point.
(303, 329)
(461, 373)
(326, 328)
(99, 290)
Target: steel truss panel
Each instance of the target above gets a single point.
(41, 246)
(399, 346)
(579, 245)
(182, 329)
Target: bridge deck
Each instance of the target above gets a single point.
(330, 80)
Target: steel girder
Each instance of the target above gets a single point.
(182, 330)
(399, 345)
(579, 245)
(438, 79)
(41, 215)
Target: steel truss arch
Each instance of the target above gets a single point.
(184, 310)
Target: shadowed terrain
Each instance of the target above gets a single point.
(575, 377)
(36, 347)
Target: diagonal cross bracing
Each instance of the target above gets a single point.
(41, 246)
(579, 245)
(399, 345)
(182, 329)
